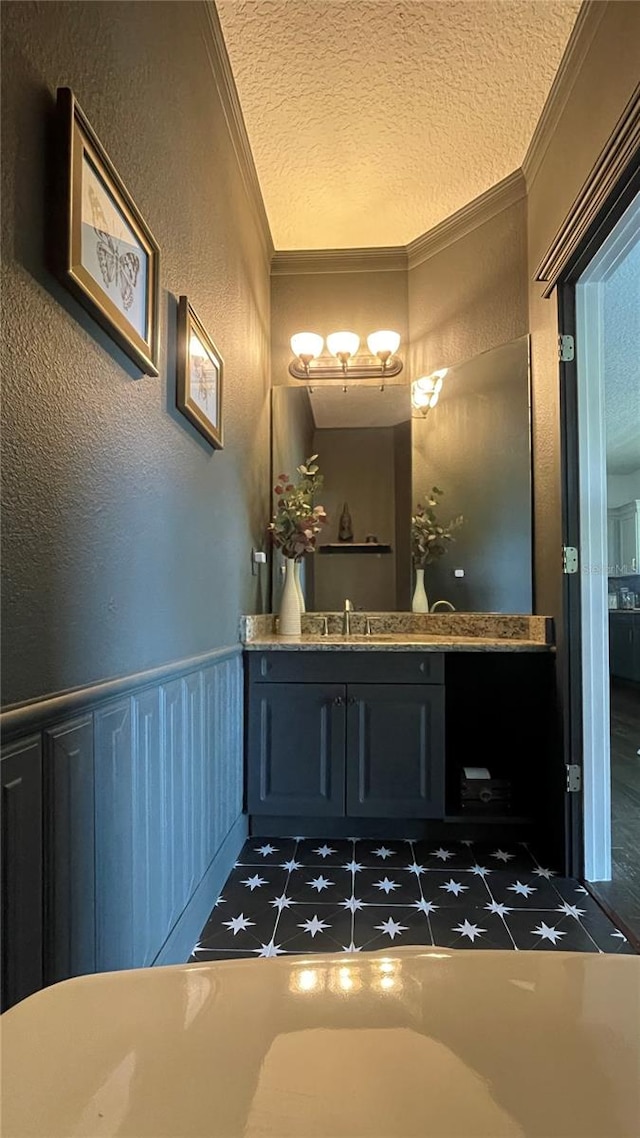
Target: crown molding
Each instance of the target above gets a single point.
(398, 258)
(504, 194)
(622, 147)
(582, 36)
(227, 90)
(296, 262)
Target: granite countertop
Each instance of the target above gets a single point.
(399, 643)
(405, 632)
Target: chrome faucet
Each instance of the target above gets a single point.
(447, 603)
(346, 618)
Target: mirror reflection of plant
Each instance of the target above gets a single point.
(429, 539)
(297, 521)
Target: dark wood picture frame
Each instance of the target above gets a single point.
(206, 371)
(111, 238)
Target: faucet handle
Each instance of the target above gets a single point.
(348, 607)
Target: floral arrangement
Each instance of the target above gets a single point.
(297, 522)
(428, 538)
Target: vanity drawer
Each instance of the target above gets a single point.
(347, 666)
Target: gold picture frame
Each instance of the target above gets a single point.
(107, 256)
(199, 376)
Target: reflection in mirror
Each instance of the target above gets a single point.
(475, 446)
(363, 439)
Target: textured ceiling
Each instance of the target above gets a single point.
(370, 121)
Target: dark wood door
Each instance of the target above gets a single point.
(22, 897)
(296, 750)
(395, 750)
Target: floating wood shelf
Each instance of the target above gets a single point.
(355, 547)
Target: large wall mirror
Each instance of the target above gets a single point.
(379, 457)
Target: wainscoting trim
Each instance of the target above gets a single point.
(21, 718)
(181, 940)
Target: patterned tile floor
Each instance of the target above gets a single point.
(301, 895)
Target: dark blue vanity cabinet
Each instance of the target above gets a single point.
(297, 749)
(345, 735)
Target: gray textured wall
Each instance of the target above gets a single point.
(126, 539)
(359, 469)
(471, 296)
(328, 302)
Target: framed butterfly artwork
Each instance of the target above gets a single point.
(106, 255)
(199, 376)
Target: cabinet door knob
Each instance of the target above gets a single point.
(338, 701)
(352, 700)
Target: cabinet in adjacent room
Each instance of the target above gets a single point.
(624, 645)
(623, 537)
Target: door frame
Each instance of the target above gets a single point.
(586, 833)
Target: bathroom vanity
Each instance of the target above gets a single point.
(370, 734)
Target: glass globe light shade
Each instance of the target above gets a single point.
(434, 399)
(307, 345)
(421, 392)
(384, 343)
(343, 344)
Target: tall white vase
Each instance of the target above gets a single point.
(420, 602)
(290, 624)
(296, 570)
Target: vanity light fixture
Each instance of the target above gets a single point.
(342, 359)
(425, 391)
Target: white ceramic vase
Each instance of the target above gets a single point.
(290, 624)
(420, 602)
(296, 570)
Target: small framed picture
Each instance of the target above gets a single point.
(107, 256)
(200, 371)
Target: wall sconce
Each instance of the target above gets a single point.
(425, 391)
(381, 362)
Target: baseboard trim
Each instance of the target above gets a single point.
(179, 944)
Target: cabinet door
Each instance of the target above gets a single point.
(395, 751)
(621, 663)
(629, 542)
(613, 543)
(635, 641)
(296, 749)
(22, 898)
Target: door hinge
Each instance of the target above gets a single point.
(566, 349)
(574, 778)
(569, 559)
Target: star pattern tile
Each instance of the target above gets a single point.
(305, 895)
